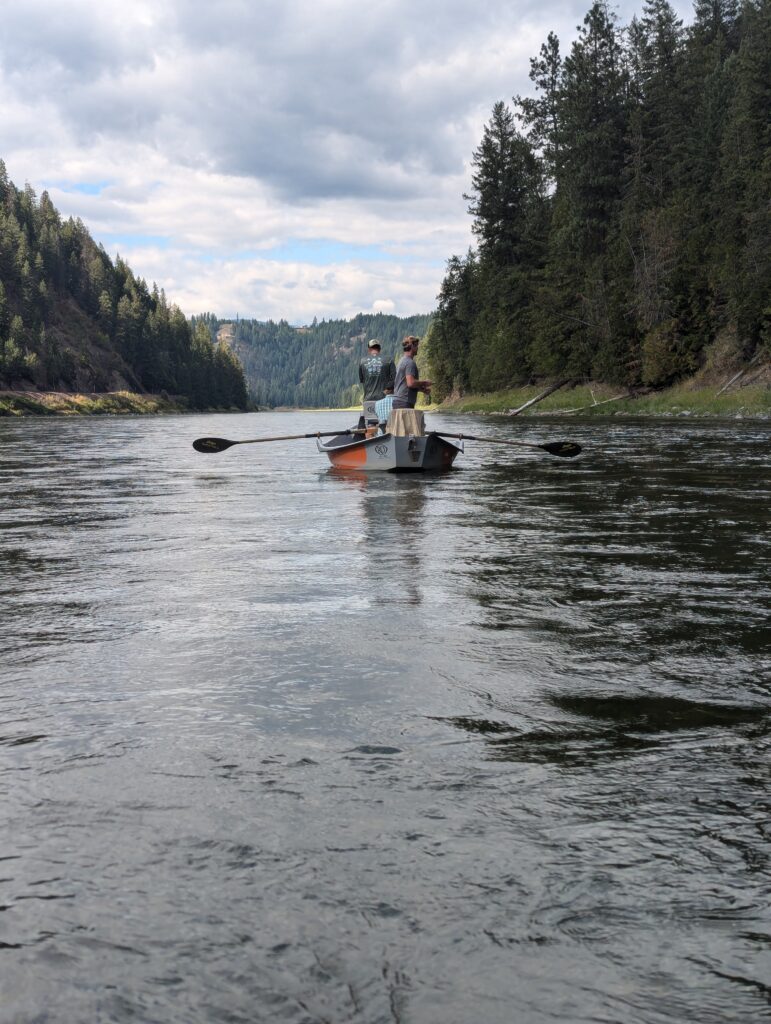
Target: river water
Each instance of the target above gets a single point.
(283, 745)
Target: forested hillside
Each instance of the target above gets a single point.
(310, 366)
(623, 211)
(71, 319)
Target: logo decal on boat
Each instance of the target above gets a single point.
(382, 450)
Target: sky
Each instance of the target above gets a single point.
(269, 158)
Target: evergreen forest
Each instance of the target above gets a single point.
(71, 319)
(313, 366)
(622, 211)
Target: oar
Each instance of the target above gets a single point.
(211, 445)
(564, 449)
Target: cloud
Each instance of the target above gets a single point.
(285, 289)
(232, 130)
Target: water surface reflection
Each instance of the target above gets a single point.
(279, 743)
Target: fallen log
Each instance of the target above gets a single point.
(751, 380)
(736, 376)
(632, 393)
(538, 398)
(583, 408)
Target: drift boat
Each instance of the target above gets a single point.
(404, 445)
(390, 453)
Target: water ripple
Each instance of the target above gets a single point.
(279, 743)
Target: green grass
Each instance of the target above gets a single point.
(679, 401)
(21, 405)
(114, 403)
(676, 401)
(682, 400)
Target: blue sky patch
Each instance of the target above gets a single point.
(84, 188)
(323, 251)
(123, 242)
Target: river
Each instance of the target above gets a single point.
(285, 745)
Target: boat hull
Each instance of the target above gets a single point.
(390, 454)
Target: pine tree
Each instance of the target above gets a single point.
(743, 245)
(449, 338)
(541, 114)
(592, 119)
(506, 183)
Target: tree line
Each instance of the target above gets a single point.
(623, 211)
(71, 319)
(312, 366)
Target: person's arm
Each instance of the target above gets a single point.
(361, 374)
(413, 381)
(418, 385)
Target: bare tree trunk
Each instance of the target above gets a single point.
(583, 408)
(754, 377)
(741, 373)
(533, 401)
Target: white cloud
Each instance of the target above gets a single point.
(233, 130)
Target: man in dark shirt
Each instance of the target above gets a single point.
(375, 373)
(408, 382)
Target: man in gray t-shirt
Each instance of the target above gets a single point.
(408, 383)
(375, 372)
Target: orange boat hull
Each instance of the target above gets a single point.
(386, 453)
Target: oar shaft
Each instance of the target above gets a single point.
(562, 449)
(295, 437)
(214, 445)
(491, 440)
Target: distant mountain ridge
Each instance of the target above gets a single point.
(72, 320)
(311, 366)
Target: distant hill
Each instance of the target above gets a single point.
(72, 320)
(312, 366)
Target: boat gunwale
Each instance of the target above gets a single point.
(327, 446)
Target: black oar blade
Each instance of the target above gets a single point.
(564, 449)
(210, 445)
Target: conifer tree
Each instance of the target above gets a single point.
(506, 185)
(743, 246)
(541, 114)
(654, 145)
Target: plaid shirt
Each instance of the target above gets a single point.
(383, 408)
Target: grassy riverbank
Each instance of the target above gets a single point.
(753, 402)
(61, 403)
(750, 402)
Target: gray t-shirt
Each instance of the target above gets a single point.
(404, 397)
(376, 373)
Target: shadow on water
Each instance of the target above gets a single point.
(627, 553)
(649, 713)
(619, 725)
